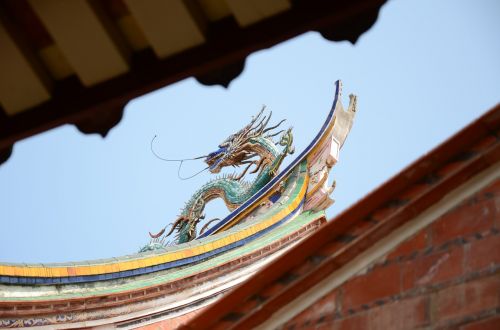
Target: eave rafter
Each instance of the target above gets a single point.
(217, 57)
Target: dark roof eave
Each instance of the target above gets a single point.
(99, 108)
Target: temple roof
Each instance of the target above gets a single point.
(80, 62)
(456, 167)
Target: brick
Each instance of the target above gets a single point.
(483, 294)
(324, 307)
(483, 253)
(404, 314)
(448, 301)
(433, 268)
(355, 322)
(492, 323)
(413, 244)
(367, 288)
(467, 299)
(474, 216)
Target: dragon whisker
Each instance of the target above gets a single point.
(274, 134)
(267, 122)
(273, 127)
(254, 119)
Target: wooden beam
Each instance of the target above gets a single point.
(83, 39)
(170, 26)
(21, 86)
(214, 10)
(250, 12)
(228, 44)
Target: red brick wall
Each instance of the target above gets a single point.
(445, 277)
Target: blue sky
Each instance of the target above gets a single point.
(424, 71)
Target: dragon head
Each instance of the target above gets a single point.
(237, 149)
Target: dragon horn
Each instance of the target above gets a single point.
(257, 129)
(254, 130)
(256, 117)
(268, 119)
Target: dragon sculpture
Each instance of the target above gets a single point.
(253, 145)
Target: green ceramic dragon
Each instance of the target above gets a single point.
(251, 146)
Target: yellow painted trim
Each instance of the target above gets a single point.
(317, 186)
(28, 271)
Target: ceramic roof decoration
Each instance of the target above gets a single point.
(420, 251)
(166, 281)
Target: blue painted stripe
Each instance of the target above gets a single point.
(146, 270)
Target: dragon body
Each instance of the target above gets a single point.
(251, 146)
